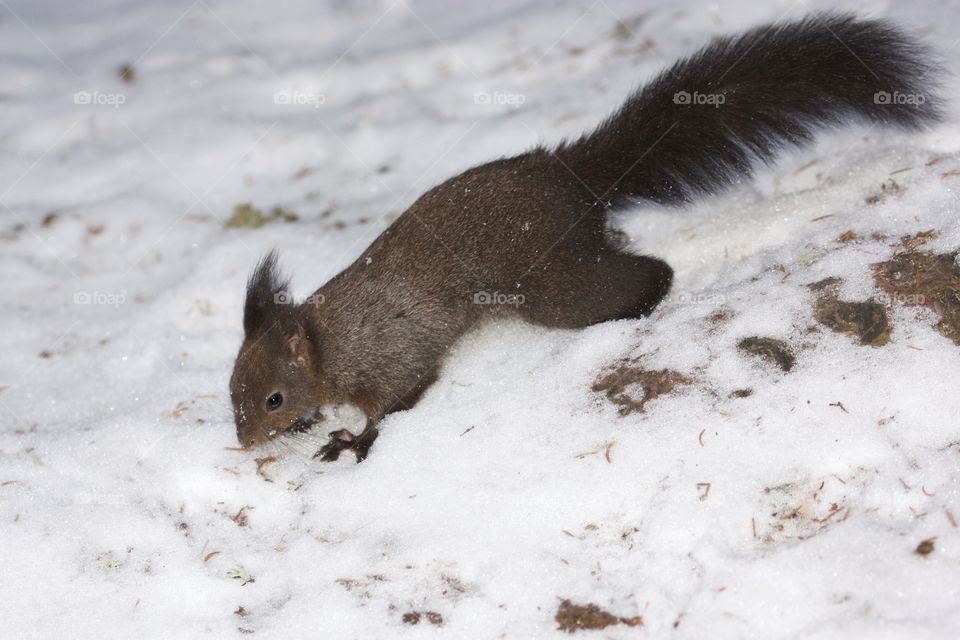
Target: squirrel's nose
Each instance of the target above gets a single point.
(246, 437)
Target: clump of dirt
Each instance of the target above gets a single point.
(414, 617)
(654, 383)
(847, 236)
(241, 519)
(573, 617)
(925, 548)
(865, 320)
(455, 586)
(923, 278)
(828, 287)
(770, 349)
(887, 189)
(245, 215)
(717, 320)
(719, 317)
(741, 393)
(911, 243)
(127, 72)
(362, 588)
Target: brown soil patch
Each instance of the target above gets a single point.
(828, 287)
(925, 279)
(719, 317)
(654, 383)
(925, 548)
(887, 189)
(911, 243)
(865, 320)
(573, 617)
(414, 617)
(770, 349)
(127, 73)
(848, 236)
(240, 518)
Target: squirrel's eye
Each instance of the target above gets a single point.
(274, 401)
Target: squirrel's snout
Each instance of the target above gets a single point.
(246, 437)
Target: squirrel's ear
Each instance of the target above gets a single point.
(300, 347)
(266, 291)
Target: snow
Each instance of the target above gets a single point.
(125, 508)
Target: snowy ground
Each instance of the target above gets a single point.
(797, 511)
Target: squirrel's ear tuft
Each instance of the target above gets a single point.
(266, 293)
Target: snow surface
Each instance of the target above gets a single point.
(125, 510)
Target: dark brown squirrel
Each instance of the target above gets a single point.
(530, 230)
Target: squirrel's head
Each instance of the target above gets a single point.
(276, 386)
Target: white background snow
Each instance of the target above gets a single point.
(512, 485)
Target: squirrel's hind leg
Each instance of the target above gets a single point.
(609, 286)
(644, 281)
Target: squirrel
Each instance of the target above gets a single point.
(527, 236)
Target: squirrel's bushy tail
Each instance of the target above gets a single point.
(708, 120)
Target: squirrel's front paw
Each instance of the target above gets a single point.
(339, 441)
